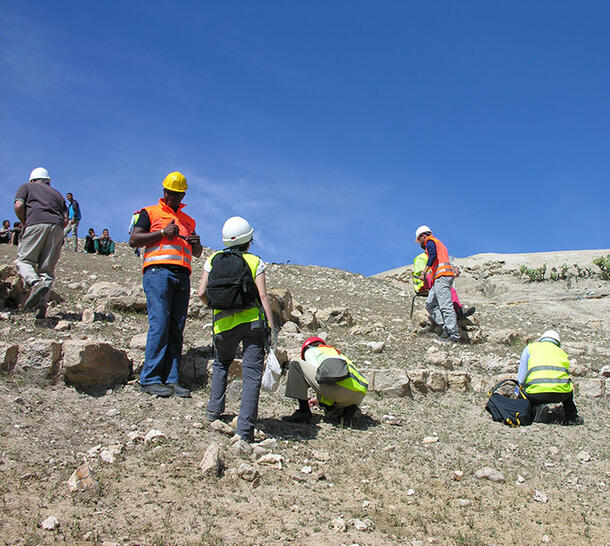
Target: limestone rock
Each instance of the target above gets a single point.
(591, 388)
(153, 436)
(62, 326)
(88, 316)
(505, 336)
(12, 292)
(338, 525)
(289, 328)
(210, 464)
(271, 459)
(430, 440)
(242, 447)
(247, 472)
(8, 356)
(138, 341)
(109, 454)
(94, 366)
(418, 379)
(50, 524)
(40, 359)
(436, 381)
(421, 321)
(322, 456)
(106, 290)
(391, 382)
(457, 475)
(488, 473)
(605, 371)
(539, 496)
(333, 315)
(439, 358)
(82, 483)
(128, 304)
(458, 381)
(222, 427)
(470, 331)
(583, 456)
(376, 346)
(281, 305)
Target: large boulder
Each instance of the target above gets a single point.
(40, 360)
(12, 292)
(281, 305)
(436, 381)
(8, 356)
(458, 381)
(391, 382)
(418, 380)
(470, 330)
(591, 388)
(105, 289)
(334, 315)
(94, 366)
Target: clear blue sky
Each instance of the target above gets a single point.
(335, 127)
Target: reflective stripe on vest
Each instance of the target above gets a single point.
(168, 251)
(355, 382)
(441, 266)
(547, 369)
(225, 320)
(419, 264)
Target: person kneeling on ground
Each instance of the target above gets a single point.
(90, 241)
(104, 245)
(337, 382)
(543, 376)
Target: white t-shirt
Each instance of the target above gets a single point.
(207, 266)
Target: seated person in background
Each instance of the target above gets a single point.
(17, 229)
(5, 232)
(104, 245)
(337, 383)
(90, 241)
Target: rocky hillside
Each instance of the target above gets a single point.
(86, 458)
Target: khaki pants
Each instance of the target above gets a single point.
(38, 252)
(72, 227)
(302, 376)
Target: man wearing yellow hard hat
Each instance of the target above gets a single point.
(170, 242)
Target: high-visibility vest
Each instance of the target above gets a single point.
(547, 369)
(441, 266)
(225, 320)
(419, 264)
(355, 382)
(174, 251)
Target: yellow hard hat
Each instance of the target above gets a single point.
(175, 181)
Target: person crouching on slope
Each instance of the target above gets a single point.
(234, 285)
(339, 385)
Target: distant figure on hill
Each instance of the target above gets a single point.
(338, 384)
(543, 376)
(74, 218)
(104, 245)
(43, 213)
(5, 232)
(170, 241)
(235, 286)
(90, 241)
(17, 229)
(439, 302)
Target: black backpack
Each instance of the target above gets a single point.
(230, 282)
(514, 412)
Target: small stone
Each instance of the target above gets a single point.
(62, 326)
(210, 463)
(359, 525)
(605, 372)
(306, 470)
(134, 435)
(390, 448)
(221, 426)
(520, 478)
(94, 451)
(82, 482)
(241, 447)
(259, 451)
(488, 473)
(539, 496)
(50, 524)
(269, 443)
(271, 459)
(234, 439)
(583, 456)
(392, 420)
(545, 539)
(430, 440)
(88, 316)
(113, 412)
(247, 472)
(458, 475)
(366, 504)
(153, 435)
(376, 346)
(109, 454)
(554, 451)
(338, 524)
(464, 502)
(410, 492)
(18, 400)
(197, 425)
(322, 456)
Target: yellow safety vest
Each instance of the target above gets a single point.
(547, 369)
(419, 264)
(355, 382)
(225, 320)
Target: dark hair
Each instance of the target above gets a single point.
(5, 221)
(243, 247)
(16, 224)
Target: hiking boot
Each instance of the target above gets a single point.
(157, 389)
(298, 417)
(468, 312)
(574, 421)
(211, 417)
(42, 311)
(38, 292)
(350, 416)
(542, 413)
(180, 392)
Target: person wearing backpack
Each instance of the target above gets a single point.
(543, 375)
(234, 286)
(170, 242)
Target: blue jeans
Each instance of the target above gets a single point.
(167, 301)
(253, 357)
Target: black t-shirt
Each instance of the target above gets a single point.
(143, 221)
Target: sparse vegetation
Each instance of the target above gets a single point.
(534, 274)
(603, 262)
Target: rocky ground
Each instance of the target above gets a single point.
(426, 464)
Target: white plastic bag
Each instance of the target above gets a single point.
(273, 372)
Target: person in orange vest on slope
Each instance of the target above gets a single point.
(170, 241)
(439, 303)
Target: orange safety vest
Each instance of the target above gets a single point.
(176, 251)
(441, 266)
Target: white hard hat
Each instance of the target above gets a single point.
(420, 230)
(39, 173)
(236, 231)
(551, 335)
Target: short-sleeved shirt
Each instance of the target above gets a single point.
(43, 204)
(207, 266)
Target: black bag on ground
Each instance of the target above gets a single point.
(230, 282)
(514, 412)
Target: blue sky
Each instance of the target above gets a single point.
(335, 127)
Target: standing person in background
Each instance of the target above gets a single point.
(5, 232)
(90, 241)
(17, 229)
(170, 241)
(74, 217)
(439, 302)
(248, 322)
(42, 211)
(104, 245)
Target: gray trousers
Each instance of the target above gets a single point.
(252, 373)
(73, 227)
(302, 376)
(38, 252)
(440, 306)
